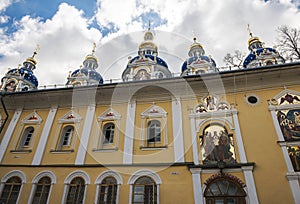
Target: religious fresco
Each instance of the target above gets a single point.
(211, 103)
(217, 145)
(289, 121)
(294, 153)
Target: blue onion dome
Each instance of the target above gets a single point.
(197, 62)
(146, 65)
(260, 55)
(86, 74)
(22, 78)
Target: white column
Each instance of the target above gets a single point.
(197, 190)
(177, 131)
(37, 159)
(9, 131)
(194, 141)
(239, 139)
(293, 179)
(85, 135)
(252, 194)
(129, 133)
(247, 170)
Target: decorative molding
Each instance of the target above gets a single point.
(78, 173)
(108, 173)
(154, 111)
(48, 173)
(17, 173)
(32, 118)
(109, 114)
(144, 172)
(70, 117)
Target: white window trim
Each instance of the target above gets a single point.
(105, 174)
(25, 123)
(68, 180)
(160, 115)
(99, 137)
(10, 174)
(36, 179)
(62, 122)
(140, 173)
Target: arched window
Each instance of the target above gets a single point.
(11, 190)
(42, 190)
(217, 144)
(26, 137)
(144, 191)
(108, 191)
(153, 131)
(66, 135)
(223, 190)
(76, 191)
(108, 133)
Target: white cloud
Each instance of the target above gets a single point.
(65, 39)
(5, 3)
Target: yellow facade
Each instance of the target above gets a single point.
(177, 162)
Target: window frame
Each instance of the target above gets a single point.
(32, 120)
(11, 174)
(230, 179)
(147, 173)
(24, 137)
(71, 118)
(83, 175)
(108, 128)
(102, 176)
(154, 127)
(109, 116)
(35, 181)
(154, 113)
(144, 193)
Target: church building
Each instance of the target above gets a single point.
(205, 137)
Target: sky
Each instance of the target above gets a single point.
(65, 31)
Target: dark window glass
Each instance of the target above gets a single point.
(144, 191)
(11, 190)
(42, 191)
(76, 191)
(108, 191)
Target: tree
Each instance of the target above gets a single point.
(289, 42)
(234, 60)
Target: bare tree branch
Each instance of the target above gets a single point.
(234, 60)
(289, 42)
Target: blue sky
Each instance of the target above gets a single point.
(66, 30)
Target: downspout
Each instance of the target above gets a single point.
(5, 110)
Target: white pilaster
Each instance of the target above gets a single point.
(37, 159)
(177, 131)
(9, 132)
(85, 135)
(197, 190)
(252, 194)
(129, 133)
(239, 139)
(194, 141)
